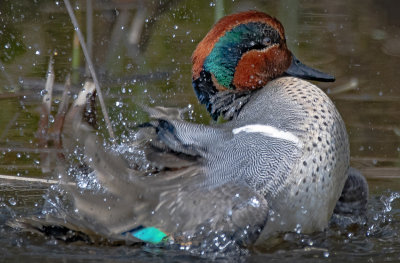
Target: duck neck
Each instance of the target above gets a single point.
(226, 103)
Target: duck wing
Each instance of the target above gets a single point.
(175, 195)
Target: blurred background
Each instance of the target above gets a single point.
(142, 55)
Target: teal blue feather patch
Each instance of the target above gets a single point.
(150, 235)
(227, 52)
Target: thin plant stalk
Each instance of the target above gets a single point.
(45, 115)
(137, 26)
(91, 68)
(75, 59)
(219, 10)
(31, 180)
(89, 31)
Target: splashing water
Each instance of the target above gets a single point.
(387, 201)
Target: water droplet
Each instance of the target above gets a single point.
(12, 201)
(43, 92)
(297, 229)
(254, 202)
(387, 201)
(82, 184)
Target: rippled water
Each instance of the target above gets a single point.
(377, 240)
(357, 41)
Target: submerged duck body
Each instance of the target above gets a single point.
(279, 163)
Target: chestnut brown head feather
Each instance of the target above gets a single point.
(224, 25)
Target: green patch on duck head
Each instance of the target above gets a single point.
(227, 52)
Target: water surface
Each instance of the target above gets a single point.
(357, 41)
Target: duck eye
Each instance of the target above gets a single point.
(267, 41)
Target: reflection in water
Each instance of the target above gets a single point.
(354, 40)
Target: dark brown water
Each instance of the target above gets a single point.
(357, 41)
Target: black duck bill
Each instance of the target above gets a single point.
(298, 69)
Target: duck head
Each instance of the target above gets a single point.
(241, 53)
